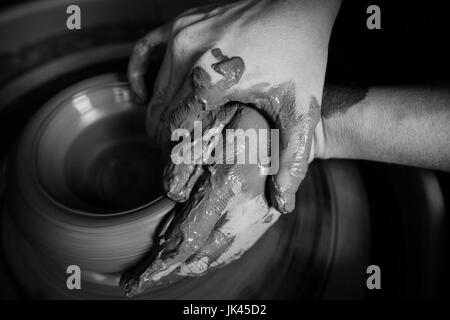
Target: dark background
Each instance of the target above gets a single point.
(411, 48)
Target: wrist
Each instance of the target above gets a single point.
(338, 136)
(344, 120)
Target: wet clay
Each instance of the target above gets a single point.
(296, 144)
(219, 188)
(205, 95)
(215, 189)
(179, 179)
(203, 104)
(277, 102)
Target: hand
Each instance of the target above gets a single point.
(268, 54)
(278, 53)
(226, 214)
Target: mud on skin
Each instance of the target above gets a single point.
(179, 179)
(220, 187)
(202, 104)
(216, 187)
(277, 102)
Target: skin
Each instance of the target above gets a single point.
(338, 98)
(403, 125)
(226, 214)
(240, 31)
(270, 55)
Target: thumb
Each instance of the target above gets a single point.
(295, 149)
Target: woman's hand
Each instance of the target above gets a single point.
(226, 214)
(267, 54)
(271, 54)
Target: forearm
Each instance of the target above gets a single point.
(408, 126)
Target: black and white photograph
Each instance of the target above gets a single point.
(221, 155)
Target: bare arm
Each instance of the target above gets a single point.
(270, 54)
(404, 125)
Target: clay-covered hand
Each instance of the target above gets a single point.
(270, 54)
(227, 211)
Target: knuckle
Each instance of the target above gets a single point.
(181, 21)
(182, 39)
(177, 25)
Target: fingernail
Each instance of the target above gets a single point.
(285, 202)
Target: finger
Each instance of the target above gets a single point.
(213, 88)
(225, 187)
(185, 106)
(186, 43)
(218, 191)
(180, 178)
(208, 9)
(246, 238)
(295, 151)
(158, 99)
(179, 57)
(142, 278)
(207, 88)
(174, 97)
(187, 233)
(249, 206)
(170, 248)
(199, 263)
(138, 63)
(241, 228)
(168, 94)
